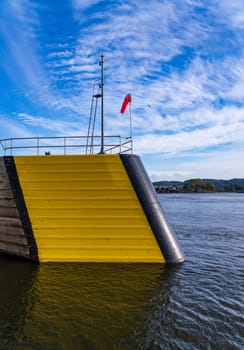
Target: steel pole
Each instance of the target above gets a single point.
(102, 113)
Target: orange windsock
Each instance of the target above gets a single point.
(126, 101)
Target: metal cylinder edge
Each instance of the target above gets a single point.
(147, 196)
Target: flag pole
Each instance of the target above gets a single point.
(102, 114)
(127, 100)
(131, 139)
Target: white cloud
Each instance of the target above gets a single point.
(232, 12)
(60, 127)
(221, 127)
(20, 60)
(84, 4)
(12, 128)
(220, 164)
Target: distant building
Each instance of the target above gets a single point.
(167, 189)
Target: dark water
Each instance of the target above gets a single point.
(198, 305)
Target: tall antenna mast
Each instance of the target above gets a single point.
(102, 114)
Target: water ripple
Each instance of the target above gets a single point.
(195, 306)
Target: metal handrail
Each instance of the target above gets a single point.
(65, 145)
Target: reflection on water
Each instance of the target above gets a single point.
(195, 306)
(16, 299)
(78, 306)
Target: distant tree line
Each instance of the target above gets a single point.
(233, 188)
(198, 185)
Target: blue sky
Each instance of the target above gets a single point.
(182, 62)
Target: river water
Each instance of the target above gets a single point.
(197, 305)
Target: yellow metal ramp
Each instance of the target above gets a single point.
(84, 208)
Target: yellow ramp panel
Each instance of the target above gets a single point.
(84, 208)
